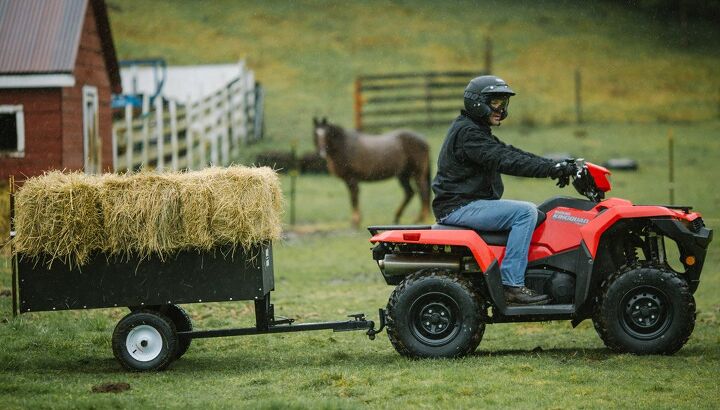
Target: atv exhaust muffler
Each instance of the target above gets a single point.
(403, 265)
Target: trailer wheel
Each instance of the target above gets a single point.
(179, 317)
(145, 340)
(434, 314)
(183, 323)
(645, 310)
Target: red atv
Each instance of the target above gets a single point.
(596, 258)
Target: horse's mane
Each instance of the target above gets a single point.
(339, 130)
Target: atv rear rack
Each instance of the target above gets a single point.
(378, 228)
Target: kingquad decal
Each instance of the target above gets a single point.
(567, 217)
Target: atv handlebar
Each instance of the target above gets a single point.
(590, 180)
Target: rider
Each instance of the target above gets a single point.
(468, 185)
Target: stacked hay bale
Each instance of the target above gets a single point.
(71, 216)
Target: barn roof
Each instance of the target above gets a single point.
(43, 37)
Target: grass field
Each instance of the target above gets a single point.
(306, 53)
(324, 271)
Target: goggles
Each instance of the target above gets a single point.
(499, 104)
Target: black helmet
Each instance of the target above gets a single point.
(479, 93)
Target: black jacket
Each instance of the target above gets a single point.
(470, 163)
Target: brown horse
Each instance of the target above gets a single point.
(356, 157)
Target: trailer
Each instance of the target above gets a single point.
(157, 330)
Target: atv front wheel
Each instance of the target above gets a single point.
(434, 314)
(646, 311)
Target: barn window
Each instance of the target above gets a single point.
(12, 131)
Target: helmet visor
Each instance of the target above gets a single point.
(499, 103)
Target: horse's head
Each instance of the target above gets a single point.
(322, 133)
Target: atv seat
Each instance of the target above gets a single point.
(496, 238)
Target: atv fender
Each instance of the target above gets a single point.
(592, 232)
(690, 243)
(466, 238)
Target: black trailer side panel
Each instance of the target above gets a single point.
(188, 277)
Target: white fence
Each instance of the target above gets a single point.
(166, 135)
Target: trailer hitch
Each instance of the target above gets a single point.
(372, 332)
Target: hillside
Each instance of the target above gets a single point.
(307, 53)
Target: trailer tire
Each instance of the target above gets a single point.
(645, 310)
(182, 321)
(434, 314)
(145, 340)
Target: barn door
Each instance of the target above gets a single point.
(92, 144)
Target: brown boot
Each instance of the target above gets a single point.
(520, 295)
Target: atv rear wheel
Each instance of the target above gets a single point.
(646, 311)
(434, 314)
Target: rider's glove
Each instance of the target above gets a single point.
(562, 171)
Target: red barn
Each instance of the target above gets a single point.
(58, 70)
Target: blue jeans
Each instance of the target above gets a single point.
(502, 215)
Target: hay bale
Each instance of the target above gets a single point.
(58, 217)
(70, 216)
(238, 218)
(142, 214)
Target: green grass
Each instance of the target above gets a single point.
(54, 359)
(307, 54)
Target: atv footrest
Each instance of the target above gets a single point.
(540, 310)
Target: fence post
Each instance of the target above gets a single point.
(160, 132)
(428, 99)
(671, 166)
(578, 96)
(174, 135)
(189, 130)
(243, 109)
(248, 99)
(488, 55)
(293, 180)
(212, 131)
(233, 119)
(224, 111)
(129, 145)
(114, 149)
(258, 118)
(358, 103)
(146, 130)
(199, 112)
(13, 263)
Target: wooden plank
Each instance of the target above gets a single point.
(405, 123)
(399, 98)
(409, 86)
(159, 129)
(189, 135)
(468, 74)
(224, 128)
(146, 128)
(398, 111)
(173, 135)
(128, 136)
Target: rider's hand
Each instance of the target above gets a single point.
(562, 171)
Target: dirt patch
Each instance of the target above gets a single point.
(111, 388)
